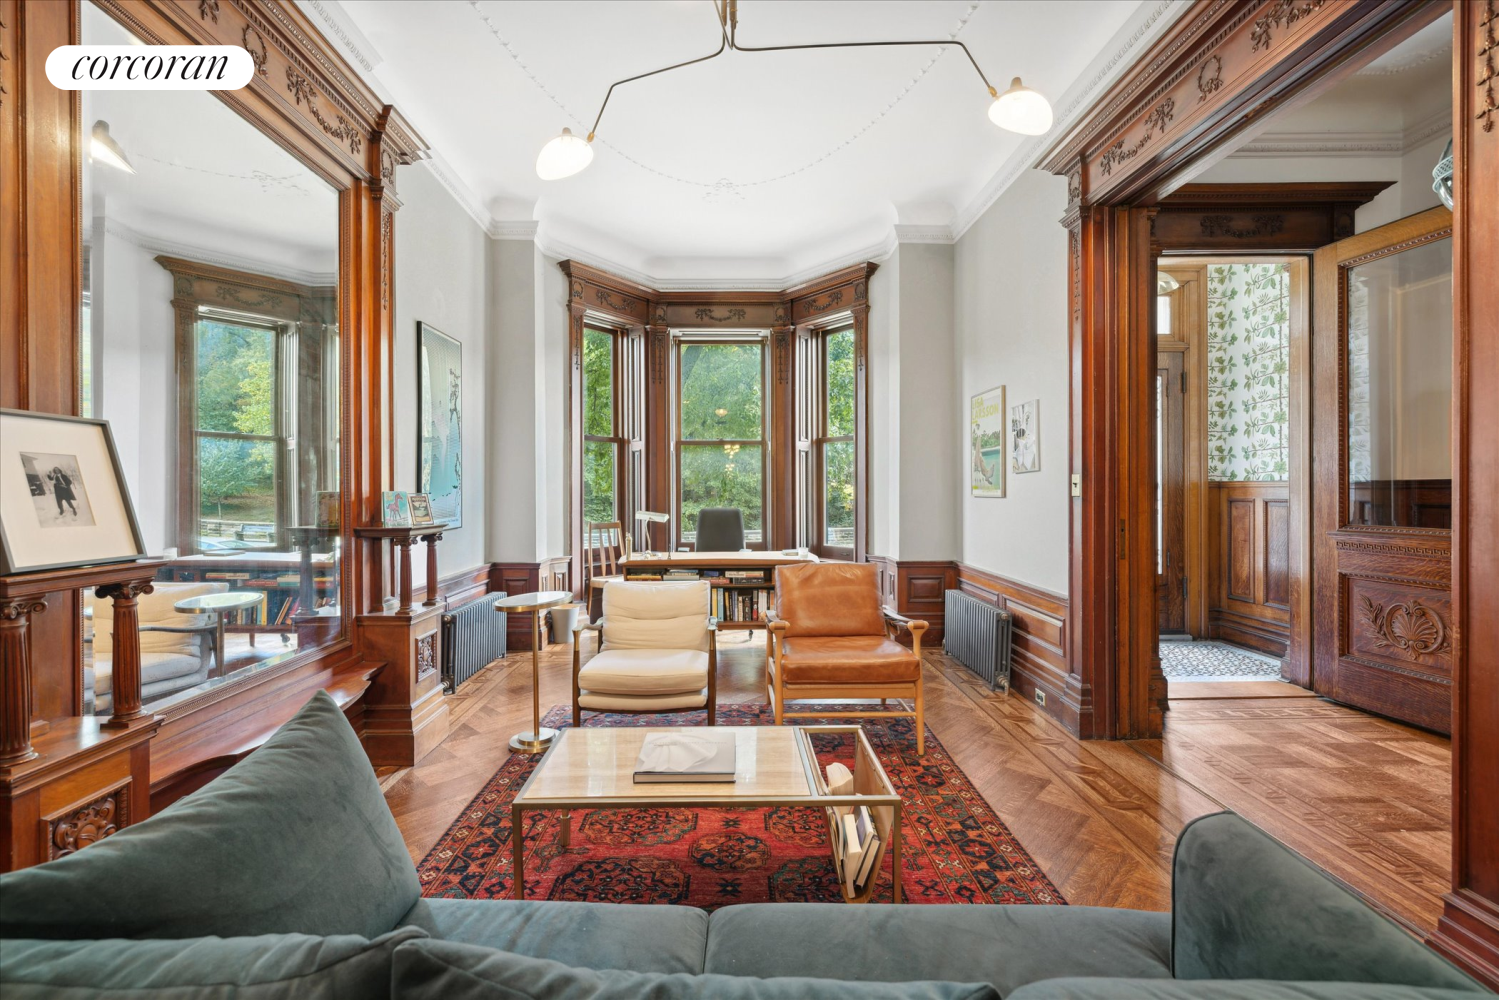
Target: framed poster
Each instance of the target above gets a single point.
(986, 438)
(1025, 436)
(63, 497)
(439, 453)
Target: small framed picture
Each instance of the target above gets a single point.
(63, 497)
(421, 510)
(328, 509)
(986, 436)
(1025, 436)
(395, 509)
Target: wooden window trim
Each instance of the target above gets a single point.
(618, 439)
(822, 439)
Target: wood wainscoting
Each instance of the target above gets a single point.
(1038, 651)
(465, 585)
(524, 578)
(1249, 570)
(917, 590)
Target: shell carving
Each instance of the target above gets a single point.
(1409, 627)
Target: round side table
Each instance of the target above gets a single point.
(221, 606)
(538, 739)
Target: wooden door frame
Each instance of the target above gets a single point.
(1166, 353)
(1212, 76)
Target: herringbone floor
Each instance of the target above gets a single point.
(1365, 798)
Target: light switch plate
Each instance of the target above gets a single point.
(1077, 484)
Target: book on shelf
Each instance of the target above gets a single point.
(869, 847)
(852, 853)
(686, 756)
(840, 782)
(680, 574)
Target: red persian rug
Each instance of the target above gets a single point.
(955, 849)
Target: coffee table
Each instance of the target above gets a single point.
(221, 606)
(592, 768)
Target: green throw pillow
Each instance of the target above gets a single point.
(296, 838)
(429, 969)
(273, 967)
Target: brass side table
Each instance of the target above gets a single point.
(221, 606)
(538, 739)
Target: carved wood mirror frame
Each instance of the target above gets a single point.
(305, 98)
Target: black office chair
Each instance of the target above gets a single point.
(719, 529)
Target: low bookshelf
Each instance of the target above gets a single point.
(743, 583)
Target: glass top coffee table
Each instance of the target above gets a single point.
(595, 769)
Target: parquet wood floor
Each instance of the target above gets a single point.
(1364, 798)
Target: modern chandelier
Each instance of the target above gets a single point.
(1019, 109)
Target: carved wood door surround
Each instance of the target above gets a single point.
(1383, 591)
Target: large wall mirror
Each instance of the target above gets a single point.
(210, 342)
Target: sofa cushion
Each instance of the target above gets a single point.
(295, 838)
(656, 615)
(847, 659)
(1247, 907)
(1006, 946)
(645, 671)
(269, 967)
(829, 599)
(443, 970)
(1224, 989)
(596, 702)
(156, 608)
(638, 938)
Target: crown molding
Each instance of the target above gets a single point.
(1351, 144)
(1152, 19)
(1427, 129)
(204, 255)
(519, 229)
(335, 22)
(924, 234)
(460, 191)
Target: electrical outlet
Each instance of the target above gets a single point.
(1040, 697)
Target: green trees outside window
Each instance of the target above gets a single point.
(837, 440)
(237, 433)
(600, 443)
(722, 433)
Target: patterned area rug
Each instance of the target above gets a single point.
(954, 848)
(1215, 661)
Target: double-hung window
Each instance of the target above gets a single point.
(835, 444)
(603, 443)
(721, 441)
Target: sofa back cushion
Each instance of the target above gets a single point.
(1246, 907)
(1079, 988)
(651, 615)
(829, 599)
(269, 967)
(155, 608)
(428, 969)
(296, 838)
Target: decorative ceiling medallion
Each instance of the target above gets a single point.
(1410, 627)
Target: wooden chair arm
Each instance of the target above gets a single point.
(582, 627)
(912, 625)
(712, 624)
(777, 624)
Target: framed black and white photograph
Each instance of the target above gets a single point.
(63, 497)
(440, 417)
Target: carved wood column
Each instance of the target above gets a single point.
(15, 678)
(1469, 928)
(403, 586)
(431, 542)
(861, 419)
(658, 433)
(125, 669)
(786, 490)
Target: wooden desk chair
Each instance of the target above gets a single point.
(606, 544)
(829, 638)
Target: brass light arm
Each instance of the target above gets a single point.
(722, 45)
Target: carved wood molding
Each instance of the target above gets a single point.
(77, 827)
(426, 656)
(1409, 626)
(1489, 25)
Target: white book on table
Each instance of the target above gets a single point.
(686, 756)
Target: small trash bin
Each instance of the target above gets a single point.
(564, 619)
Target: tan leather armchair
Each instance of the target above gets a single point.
(830, 638)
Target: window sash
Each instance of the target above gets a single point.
(762, 443)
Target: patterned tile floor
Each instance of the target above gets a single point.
(1215, 661)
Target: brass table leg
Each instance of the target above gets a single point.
(539, 738)
(565, 838)
(518, 853)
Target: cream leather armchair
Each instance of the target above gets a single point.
(658, 652)
(176, 649)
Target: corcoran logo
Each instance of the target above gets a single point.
(149, 67)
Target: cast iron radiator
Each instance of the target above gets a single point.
(977, 635)
(473, 636)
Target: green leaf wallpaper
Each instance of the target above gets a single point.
(1248, 363)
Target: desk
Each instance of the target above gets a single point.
(716, 567)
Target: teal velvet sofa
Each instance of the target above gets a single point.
(287, 877)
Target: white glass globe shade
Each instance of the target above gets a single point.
(1021, 109)
(563, 156)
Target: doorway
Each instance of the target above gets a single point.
(1232, 414)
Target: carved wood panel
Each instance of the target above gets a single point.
(1248, 565)
(78, 827)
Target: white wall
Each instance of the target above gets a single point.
(928, 464)
(511, 430)
(1011, 329)
(441, 278)
(884, 409)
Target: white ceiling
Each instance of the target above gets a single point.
(754, 166)
(207, 184)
